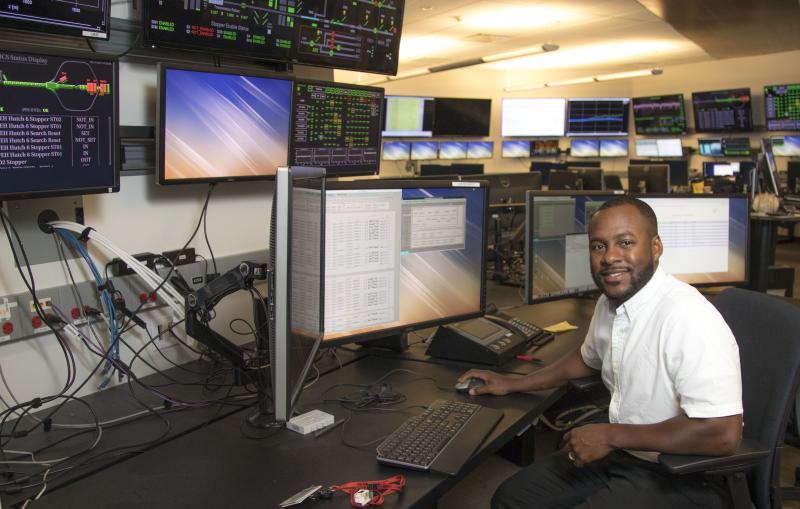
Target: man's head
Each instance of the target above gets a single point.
(624, 247)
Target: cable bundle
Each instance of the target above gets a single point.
(375, 490)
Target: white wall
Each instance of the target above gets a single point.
(753, 72)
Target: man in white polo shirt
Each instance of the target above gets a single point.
(671, 365)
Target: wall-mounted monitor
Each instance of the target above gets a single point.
(786, 146)
(452, 150)
(336, 127)
(59, 116)
(782, 107)
(659, 114)
(217, 125)
(710, 147)
(480, 149)
(723, 110)
(736, 147)
(613, 148)
(716, 169)
(516, 148)
(533, 117)
(584, 148)
(659, 147)
(648, 178)
(91, 19)
(461, 117)
(541, 148)
(408, 116)
(424, 150)
(343, 35)
(396, 150)
(597, 117)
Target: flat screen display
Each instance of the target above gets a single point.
(480, 149)
(59, 117)
(85, 19)
(723, 110)
(710, 147)
(452, 150)
(613, 148)
(782, 107)
(461, 117)
(516, 148)
(544, 148)
(786, 146)
(217, 126)
(336, 127)
(408, 116)
(396, 151)
(659, 114)
(584, 148)
(337, 33)
(424, 150)
(533, 117)
(597, 117)
(659, 147)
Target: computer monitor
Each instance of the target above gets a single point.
(723, 110)
(402, 255)
(452, 150)
(557, 243)
(661, 114)
(782, 107)
(84, 20)
(736, 147)
(678, 172)
(424, 150)
(509, 188)
(545, 167)
(710, 147)
(613, 148)
(217, 125)
(793, 177)
(659, 147)
(432, 170)
(59, 117)
(597, 117)
(786, 146)
(726, 169)
(467, 168)
(768, 169)
(588, 179)
(541, 148)
(562, 180)
(530, 116)
(516, 148)
(461, 117)
(648, 178)
(584, 148)
(336, 127)
(408, 116)
(480, 149)
(705, 237)
(396, 150)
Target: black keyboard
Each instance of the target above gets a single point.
(533, 334)
(441, 439)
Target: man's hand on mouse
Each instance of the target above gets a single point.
(496, 384)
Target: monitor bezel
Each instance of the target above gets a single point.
(333, 171)
(47, 28)
(369, 184)
(161, 72)
(86, 55)
(697, 128)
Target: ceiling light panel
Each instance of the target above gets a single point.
(426, 46)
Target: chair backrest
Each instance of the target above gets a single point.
(767, 330)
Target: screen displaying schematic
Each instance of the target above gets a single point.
(723, 110)
(58, 122)
(782, 107)
(332, 33)
(337, 127)
(86, 18)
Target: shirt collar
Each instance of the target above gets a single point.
(644, 295)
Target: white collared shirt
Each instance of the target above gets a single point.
(666, 351)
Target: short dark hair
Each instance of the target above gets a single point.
(644, 209)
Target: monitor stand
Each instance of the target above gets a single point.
(396, 342)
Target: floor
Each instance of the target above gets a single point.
(475, 490)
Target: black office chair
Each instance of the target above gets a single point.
(767, 330)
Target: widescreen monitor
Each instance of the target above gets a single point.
(597, 117)
(562, 179)
(461, 117)
(723, 110)
(533, 117)
(342, 35)
(648, 178)
(557, 242)
(466, 168)
(336, 127)
(710, 147)
(435, 170)
(59, 116)
(509, 188)
(588, 179)
(544, 148)
(613, 148)
(659, 147)
(661, 114)
(516, 149)
(408, 116)
(732, 147)
(452, 150)
(782, 107)
(396, 151)
(91, 19)
(786, 146)
(480, 149)
(726, 169)
(584, 148)
(402, 255)
(678, 172)
(215, 125)
(424, 150)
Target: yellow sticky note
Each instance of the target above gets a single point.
(560, 327)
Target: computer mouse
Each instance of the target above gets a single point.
(470, 383)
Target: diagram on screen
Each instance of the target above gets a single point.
(75, 85)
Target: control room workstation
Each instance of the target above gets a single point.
(232, 275)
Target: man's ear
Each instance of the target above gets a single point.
(657, 248)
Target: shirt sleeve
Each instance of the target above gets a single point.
(589, 350)
(703, 361)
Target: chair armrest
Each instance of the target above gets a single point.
(586, 383)
(747, 456)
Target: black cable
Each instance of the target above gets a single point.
(205, 234)
(133, 45)
(91, 46)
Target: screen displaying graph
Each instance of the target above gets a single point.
(597, 117)
(723, 110)
(663, 114)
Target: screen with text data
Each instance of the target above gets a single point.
(399, 257)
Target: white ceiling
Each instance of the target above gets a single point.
(595, 37)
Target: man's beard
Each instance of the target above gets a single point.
(638, 281)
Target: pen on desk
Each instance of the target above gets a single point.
(326, 429)
(530, 358)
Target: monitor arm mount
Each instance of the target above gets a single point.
(200, 303)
